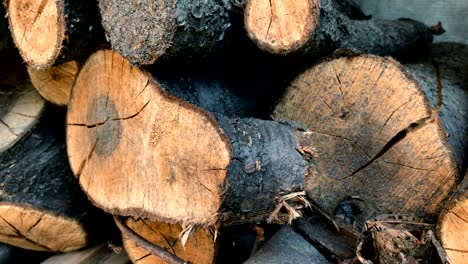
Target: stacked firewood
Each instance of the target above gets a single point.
(228, 131)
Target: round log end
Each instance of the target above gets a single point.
(38, 30)
(138, 150)
(454, 231)
(55, 83)
(281, 26)
(199, 248)
(33, 229)
(376, 137)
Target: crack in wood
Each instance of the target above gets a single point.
(408, 166)
(35, 224)
(8, 127)
(393, 141)
(459, 217)
(19, 234)
(85, 161)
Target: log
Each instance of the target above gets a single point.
(286, 246)
(318, 27)
(452, 227)
(20, 105)
(232, 244)
(41, 205)
(376, 137)
(139, 151)
(55, 31)
(101, 254)
(190, 30)
(55, 84)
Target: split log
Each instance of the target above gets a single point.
(232, 244)
(102, 254)
(54, 31)
(41, 205)
(191, 30)
(20, 104)
(55, 84)
(376, 136)
(318, 27)
(286, 246)
(453, 225)
(139, 151)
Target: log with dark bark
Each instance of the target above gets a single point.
(54, 31)
(286, 246)
(41, 204)
(145, 31)
(452, 227)
(380, 144)
(317, 27)
(55, 84)
(137, 150)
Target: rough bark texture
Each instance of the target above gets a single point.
(375, 135)
(39, 196)
(453, 224)
(145, 31)
(55, 84)
(343, 25)
(54, 31)
(122, 125)
(286, 246)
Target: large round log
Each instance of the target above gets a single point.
(317, 27)
(376, 135)
(54, 31)
(137, 150)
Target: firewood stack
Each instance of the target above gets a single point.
(201, 127)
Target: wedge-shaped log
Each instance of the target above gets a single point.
(377, 138)
(54, 31)
(137, 150)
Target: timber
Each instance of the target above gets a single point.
(55, 84)
(190, 30)
(39, 197)
(376, 136)
(54, 31)
(183, 149)
(316, 28)
(452, 227)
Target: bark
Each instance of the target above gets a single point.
(332, 25)
(231, 170)
(39, 196)
(380, 145)
(69, 30)
(158, 30)
(286, 246)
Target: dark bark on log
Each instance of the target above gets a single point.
(286, 246)
(190, 30)
(74, 28)
(36, 179)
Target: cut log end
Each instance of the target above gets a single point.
(199, 248)
(38, 30)
(55, 83)
(375, 135)
(175, 150)
(280, 26)
(38, 230)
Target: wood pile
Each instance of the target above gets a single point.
(230, 131)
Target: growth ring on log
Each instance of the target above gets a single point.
(139, 151)
(38, 29)
(375, 134)
(281, 26)
(39, 230)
